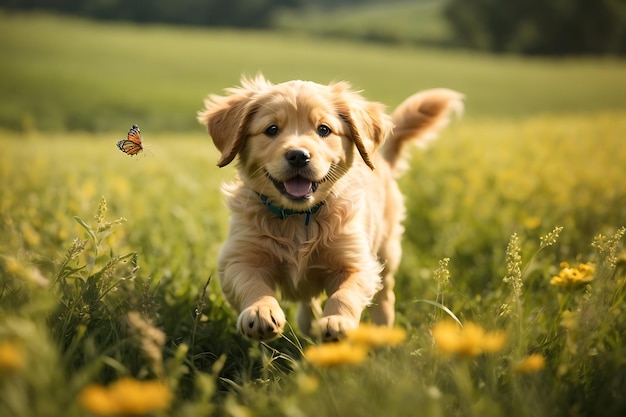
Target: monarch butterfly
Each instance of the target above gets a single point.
(132, 145)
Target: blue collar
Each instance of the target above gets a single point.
(283, 213)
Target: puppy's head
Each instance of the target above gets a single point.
(294, 140)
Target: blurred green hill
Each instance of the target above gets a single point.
(60, 73)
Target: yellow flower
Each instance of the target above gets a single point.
(307, 384)
(30, 235)
(97, 399)
(573, 278)
(375, 336)
(532, 222)
(11, 358)
(126, 396)
(333, 354)
(471, 340)
(88, 189)
(532, 363)
(27, 273)
(11, 265)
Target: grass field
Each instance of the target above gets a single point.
(101, 315)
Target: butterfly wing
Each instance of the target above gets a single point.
(132, 145)
(134, 135)
(129, 147)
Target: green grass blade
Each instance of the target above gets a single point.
(442, 307)
(87, 228)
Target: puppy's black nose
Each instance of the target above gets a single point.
(298, 158)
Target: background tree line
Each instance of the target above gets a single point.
(544, 27)
(234, 13)
(539, 27)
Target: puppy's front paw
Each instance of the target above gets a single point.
(263, 320)
(333, 328)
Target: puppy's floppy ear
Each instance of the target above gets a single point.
(227, 117)
(368, 123)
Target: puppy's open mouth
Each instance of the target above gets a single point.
(296, 188)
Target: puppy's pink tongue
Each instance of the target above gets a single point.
(298, 186)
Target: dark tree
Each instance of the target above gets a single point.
(545, 27)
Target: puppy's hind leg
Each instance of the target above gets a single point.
(308, 313)
(382, 310)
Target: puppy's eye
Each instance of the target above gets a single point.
(323, 130)
(271, 131)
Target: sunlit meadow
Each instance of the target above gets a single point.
(511, 289)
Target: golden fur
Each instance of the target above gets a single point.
(311, 147)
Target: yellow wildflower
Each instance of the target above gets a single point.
(11, 265)
(88, 189)
(126, 396)
(333, 354)
(307, 384)
(11, 358)
(532, 222)
(471, 340)
(30, 235)
(370, 335)
(530, 364)
(25, 272)
(573, 278)
(97, 399)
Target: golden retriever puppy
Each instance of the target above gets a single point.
(315, 207)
